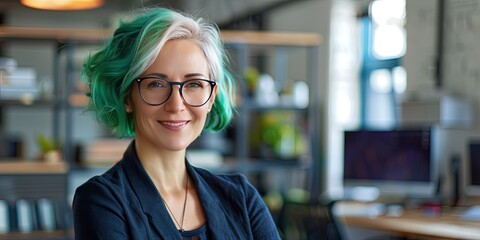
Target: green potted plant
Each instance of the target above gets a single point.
(49, 148)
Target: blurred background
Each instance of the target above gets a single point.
(364, 100)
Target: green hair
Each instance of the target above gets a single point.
(134, 46)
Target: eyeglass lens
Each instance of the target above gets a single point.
(195, 92)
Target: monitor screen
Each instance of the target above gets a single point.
(473, 167)
(392, 160)
(474, 156)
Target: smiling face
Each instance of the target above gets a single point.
(173, 125)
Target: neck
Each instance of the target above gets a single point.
(166, 168)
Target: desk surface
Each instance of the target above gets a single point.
(448, 225)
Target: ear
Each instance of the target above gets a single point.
(212, 98)
(128, 105)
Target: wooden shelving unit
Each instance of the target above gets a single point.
(244, 39)
(31, 167)
(30, 179)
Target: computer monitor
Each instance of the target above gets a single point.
(472, 168)
(396, 162)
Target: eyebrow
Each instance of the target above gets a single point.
(194, 75)
(189, 75)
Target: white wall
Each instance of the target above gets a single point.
(461, 69)
(421, 55)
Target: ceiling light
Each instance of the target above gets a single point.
(62, 4)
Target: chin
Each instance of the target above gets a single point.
(179, 146)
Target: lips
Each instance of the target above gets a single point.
(174, 124)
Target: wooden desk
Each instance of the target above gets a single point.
(414, 223)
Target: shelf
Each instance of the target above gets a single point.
(271, 38)
(78, 100)
(30, 167)
(275, 164)
(256, 107)
(229, 37)
(58, 234)
(260, 165)
(28, 102)
(58, 34)
(96, 164)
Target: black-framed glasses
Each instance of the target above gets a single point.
(156, 91)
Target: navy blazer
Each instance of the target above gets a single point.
(123, 203)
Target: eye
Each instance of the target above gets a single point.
(194, 84)
(156, 83)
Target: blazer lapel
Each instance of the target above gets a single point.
(149, 199)
(220, 225)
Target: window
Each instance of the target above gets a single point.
(382, 76)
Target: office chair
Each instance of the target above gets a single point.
(309, 221)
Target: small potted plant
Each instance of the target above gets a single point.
(49, 149)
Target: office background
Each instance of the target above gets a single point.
(440, 61)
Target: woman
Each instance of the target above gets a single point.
(162, 78)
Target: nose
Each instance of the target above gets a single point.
(175, 102)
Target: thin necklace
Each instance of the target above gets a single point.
(184, 207)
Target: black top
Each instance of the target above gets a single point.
(196, 234)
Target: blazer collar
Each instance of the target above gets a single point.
(148, 197)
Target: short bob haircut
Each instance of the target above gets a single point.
(134, 46)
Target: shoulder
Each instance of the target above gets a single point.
(105, 185)
(232, 185)
(232, 179)
(100, 206)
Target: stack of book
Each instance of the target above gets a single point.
(17, 83)
(104, 151)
